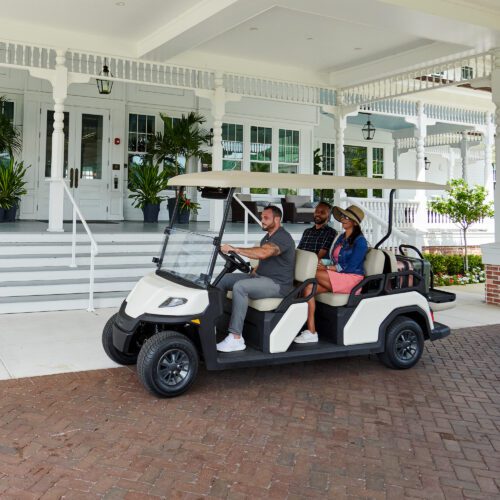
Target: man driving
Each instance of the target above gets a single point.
(273, 277)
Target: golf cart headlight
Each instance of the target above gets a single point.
(174, 302)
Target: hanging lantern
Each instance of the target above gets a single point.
(105, 86)
(368, 131)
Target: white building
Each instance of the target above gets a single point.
(293, 74)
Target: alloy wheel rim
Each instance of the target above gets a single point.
(406, 345)
(173, 367)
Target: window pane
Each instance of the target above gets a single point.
(260, 150)
(287, 169)
(356, 165)
(141, 125)
(260, 167)
(288, 146)
(151, 124)
(132, 123)
(231, 165)
(232, 143)
(48, 142)
(91, 155)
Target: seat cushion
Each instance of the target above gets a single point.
(374, 262)
(261, 304)
(333, 299)
(297, 200)
(306, 264)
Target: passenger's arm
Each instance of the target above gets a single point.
(322, 253)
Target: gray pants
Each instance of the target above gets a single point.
(245, 287)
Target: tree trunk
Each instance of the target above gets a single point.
(466, 259)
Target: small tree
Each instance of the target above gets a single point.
(464, 206)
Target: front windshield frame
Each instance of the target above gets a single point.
(204, 279)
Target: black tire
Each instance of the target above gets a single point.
(168, 364)
(404, 344)
(107, 342)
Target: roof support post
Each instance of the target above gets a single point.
(219, 98)
(489, 143)
(464, 150)
(59, 93)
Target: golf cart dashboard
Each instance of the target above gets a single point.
(198, 281)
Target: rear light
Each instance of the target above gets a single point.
(432, 315)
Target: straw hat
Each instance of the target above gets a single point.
(353, 212)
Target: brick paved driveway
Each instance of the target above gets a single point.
(328, 429)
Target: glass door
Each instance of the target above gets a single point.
(86, 162)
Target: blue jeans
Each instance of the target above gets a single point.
(245, 287)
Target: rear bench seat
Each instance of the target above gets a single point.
(305, 268)
(374, 264)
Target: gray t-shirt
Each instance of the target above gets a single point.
(280, 268)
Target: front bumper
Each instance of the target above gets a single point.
(439, 331)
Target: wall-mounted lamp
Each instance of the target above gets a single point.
(427, 163)
(211, 137)
(105, 86)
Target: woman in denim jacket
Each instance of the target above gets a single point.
(344, 270)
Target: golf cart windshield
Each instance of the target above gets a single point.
(184, 256)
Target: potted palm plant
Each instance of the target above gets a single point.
(12, 187)
(182, 138)
(145, 183)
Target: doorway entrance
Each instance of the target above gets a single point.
(86, 161)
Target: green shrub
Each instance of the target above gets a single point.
(452, 264)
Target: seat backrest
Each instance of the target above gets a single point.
(297, 200)
(374, 262)
(306, 264)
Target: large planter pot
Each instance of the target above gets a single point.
(151, 212)
(10, 214)
(182, 215)
(2, 214)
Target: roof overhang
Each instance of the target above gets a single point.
(240, 179)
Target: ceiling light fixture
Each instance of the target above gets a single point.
(368, 129)
(105, 86)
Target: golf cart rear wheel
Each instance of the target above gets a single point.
(107, 342)
(404, 344)
(168, 364)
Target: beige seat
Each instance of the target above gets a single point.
(305, 268)
(374, 264)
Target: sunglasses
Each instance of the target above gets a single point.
(344, 217)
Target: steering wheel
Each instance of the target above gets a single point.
(236, 260)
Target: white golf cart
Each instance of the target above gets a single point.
(175, 315)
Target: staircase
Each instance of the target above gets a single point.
(35, 273)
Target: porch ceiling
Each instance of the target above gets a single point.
(337, 42)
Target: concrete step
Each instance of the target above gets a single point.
(35, 303)
(62, 287)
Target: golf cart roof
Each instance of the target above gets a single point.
(232, 179)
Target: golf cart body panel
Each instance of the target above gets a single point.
(172, 316)
(152, 292)
(364, 324)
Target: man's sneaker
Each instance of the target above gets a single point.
(305, 337)
(231, 344)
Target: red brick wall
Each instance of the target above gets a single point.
(471, 250)
(492, 284)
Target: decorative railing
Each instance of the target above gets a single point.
(375, 227)
(93, 245)
(455, 115)
(453, 72)
(443, 139)
(399, 107)
(138, 71)
(278, 90)
(26, 55)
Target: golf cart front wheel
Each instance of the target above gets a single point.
(113, 353)
(404, 344)
(168, 364)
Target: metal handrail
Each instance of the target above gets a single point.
(94, 250)
(247, 213)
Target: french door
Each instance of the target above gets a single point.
(86, 161)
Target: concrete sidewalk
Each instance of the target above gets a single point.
(70, 341)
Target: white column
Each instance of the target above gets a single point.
(420, 132)
(395, 159)
(465, 161)
(489, 142)
(218, 110)
(340, 123)
(451, 166)
(56, 197)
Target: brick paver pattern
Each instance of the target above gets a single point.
(329, 429)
